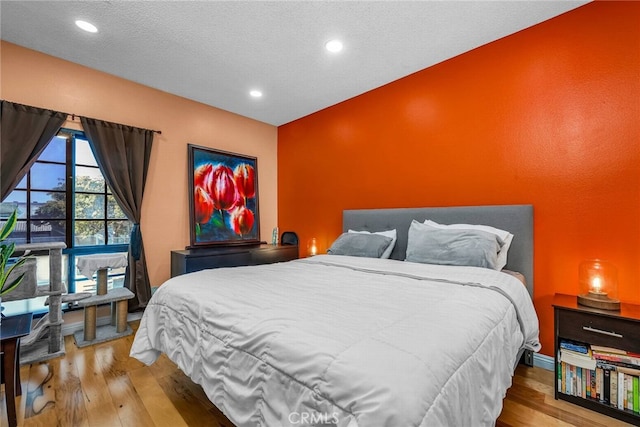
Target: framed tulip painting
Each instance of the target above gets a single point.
(223, 198)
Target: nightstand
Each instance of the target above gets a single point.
(617, 329)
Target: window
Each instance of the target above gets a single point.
(98, 217)
(41, 199)
(64, 198)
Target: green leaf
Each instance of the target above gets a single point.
(6, 251)
(9, 226)
(5, 273)
(9, 249)
(18, 262)
(12, 286)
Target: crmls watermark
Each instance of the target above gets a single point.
(313, 419)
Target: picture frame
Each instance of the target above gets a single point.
(223, 198)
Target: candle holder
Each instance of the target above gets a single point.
(598, 285)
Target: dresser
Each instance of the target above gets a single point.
(190, 260)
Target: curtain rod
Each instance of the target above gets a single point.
(73, 117)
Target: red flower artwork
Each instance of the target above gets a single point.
(242, 220)
(245, 177)
(224, 204)
(203, 205)
(202, 176)
(223, 188)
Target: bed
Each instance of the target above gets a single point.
(354, 341)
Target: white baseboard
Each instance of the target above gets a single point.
(542, 361)
(71, 328)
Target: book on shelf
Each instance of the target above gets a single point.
(576, 346)
(613, 350)
(599, 390)
(583, 360)
(636, 394)
(628, 371)
(630, 361)
(613, 392)
(608, 380)
(606, 385)
(622, 396)
(628, 394)
(629, 380)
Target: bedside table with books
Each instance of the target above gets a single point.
(597, 357)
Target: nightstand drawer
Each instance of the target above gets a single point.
(599, 330)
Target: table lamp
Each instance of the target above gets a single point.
(598, 285)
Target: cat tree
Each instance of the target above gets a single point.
(45, 340)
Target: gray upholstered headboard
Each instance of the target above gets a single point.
(517, 219)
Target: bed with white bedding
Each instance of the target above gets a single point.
(348, 341)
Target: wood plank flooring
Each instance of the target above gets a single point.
(101, 386)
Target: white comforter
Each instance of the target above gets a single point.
(345, 341)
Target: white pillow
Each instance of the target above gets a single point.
(505, 236)
(389, 233)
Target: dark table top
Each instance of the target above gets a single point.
(627, 311)
(15, 326)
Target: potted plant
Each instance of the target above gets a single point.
(6, 251)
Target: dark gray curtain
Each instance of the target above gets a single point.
(123, 153)
(25, 131)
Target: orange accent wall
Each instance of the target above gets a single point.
(32, 78)
(549, 116)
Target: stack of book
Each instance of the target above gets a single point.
(608, 375)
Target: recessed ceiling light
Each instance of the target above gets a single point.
(333, 46)
(256, 93)
(87, 26)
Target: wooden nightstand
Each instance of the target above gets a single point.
(617, 329)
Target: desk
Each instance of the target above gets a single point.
(11, 330)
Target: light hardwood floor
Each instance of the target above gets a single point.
(102, 386)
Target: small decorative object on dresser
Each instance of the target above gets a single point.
(289, 238)
(597, 357)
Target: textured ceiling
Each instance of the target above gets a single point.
(215, 52)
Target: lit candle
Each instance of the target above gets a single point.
(596, 284)
(313, 249)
